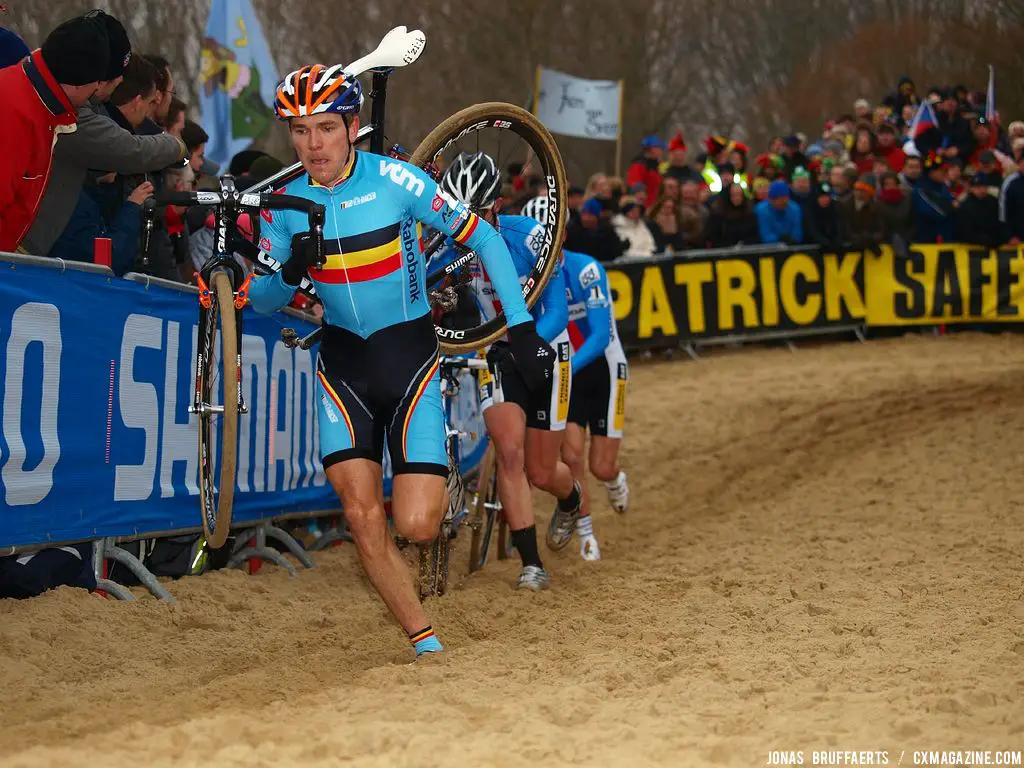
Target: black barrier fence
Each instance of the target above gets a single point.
(751, 293)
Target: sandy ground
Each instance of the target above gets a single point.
(823, 553)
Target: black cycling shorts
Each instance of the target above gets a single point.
(599, 396)
(386, 386)
(545, 408)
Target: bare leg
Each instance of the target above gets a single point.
(358, 483)
(573, 446)
(506, 424)
(544, 468)
(604, 457)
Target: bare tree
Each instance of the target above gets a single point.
(744, 68)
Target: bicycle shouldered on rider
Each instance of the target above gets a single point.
(377, 371)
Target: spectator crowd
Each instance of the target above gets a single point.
(913, 168)
(95, 129)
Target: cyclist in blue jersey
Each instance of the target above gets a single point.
(377, 372)
(525, 426)
(600, 375)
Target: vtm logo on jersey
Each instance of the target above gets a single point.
(402, 176)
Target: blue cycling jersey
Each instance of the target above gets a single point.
(591, 320)
(523, 236)
(375, 276)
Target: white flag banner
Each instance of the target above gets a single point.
(573, 106)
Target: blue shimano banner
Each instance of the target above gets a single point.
(96, 438)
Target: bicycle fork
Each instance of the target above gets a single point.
(206, 298)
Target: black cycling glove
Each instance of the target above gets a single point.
(534, 357)
(302, 259)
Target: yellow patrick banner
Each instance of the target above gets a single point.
(702, 296)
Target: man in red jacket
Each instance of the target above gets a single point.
(644, 168)
(41, 95)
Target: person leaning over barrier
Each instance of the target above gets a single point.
(97, 144)
(41, 96)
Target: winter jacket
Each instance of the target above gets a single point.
(36, 113)
(683, 174)
(641, 241)
(865, 226)
(644, 170)
(977, 221)
(956, 132)
(1011, 207)
(663, 241)
(98, 144)
(729, 225)
(897, 216)
(825, 227)
(76, 241)
(933, 211)
(785, 226)
(893, 156)
(601, 243)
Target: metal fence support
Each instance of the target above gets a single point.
(108, 550)
(102, 582)
(262, 552)
(691, 351)
(859, 333)
(338, 533)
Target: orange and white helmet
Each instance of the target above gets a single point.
(316, 89)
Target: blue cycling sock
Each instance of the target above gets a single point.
(425, 641)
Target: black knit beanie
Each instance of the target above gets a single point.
(117, 38)
(77, 52)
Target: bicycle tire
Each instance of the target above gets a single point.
(484, 516)
(489, 114)
(217, 505)
(433, 572)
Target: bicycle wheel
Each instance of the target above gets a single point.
(482, 128)
(216, 499)
(505, 547)
(485, 511)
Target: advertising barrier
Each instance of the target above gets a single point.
(945, 284)
(758, 292)
(96, 439)
(712, 295)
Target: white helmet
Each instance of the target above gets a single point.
(474, 179)
(537, 208)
